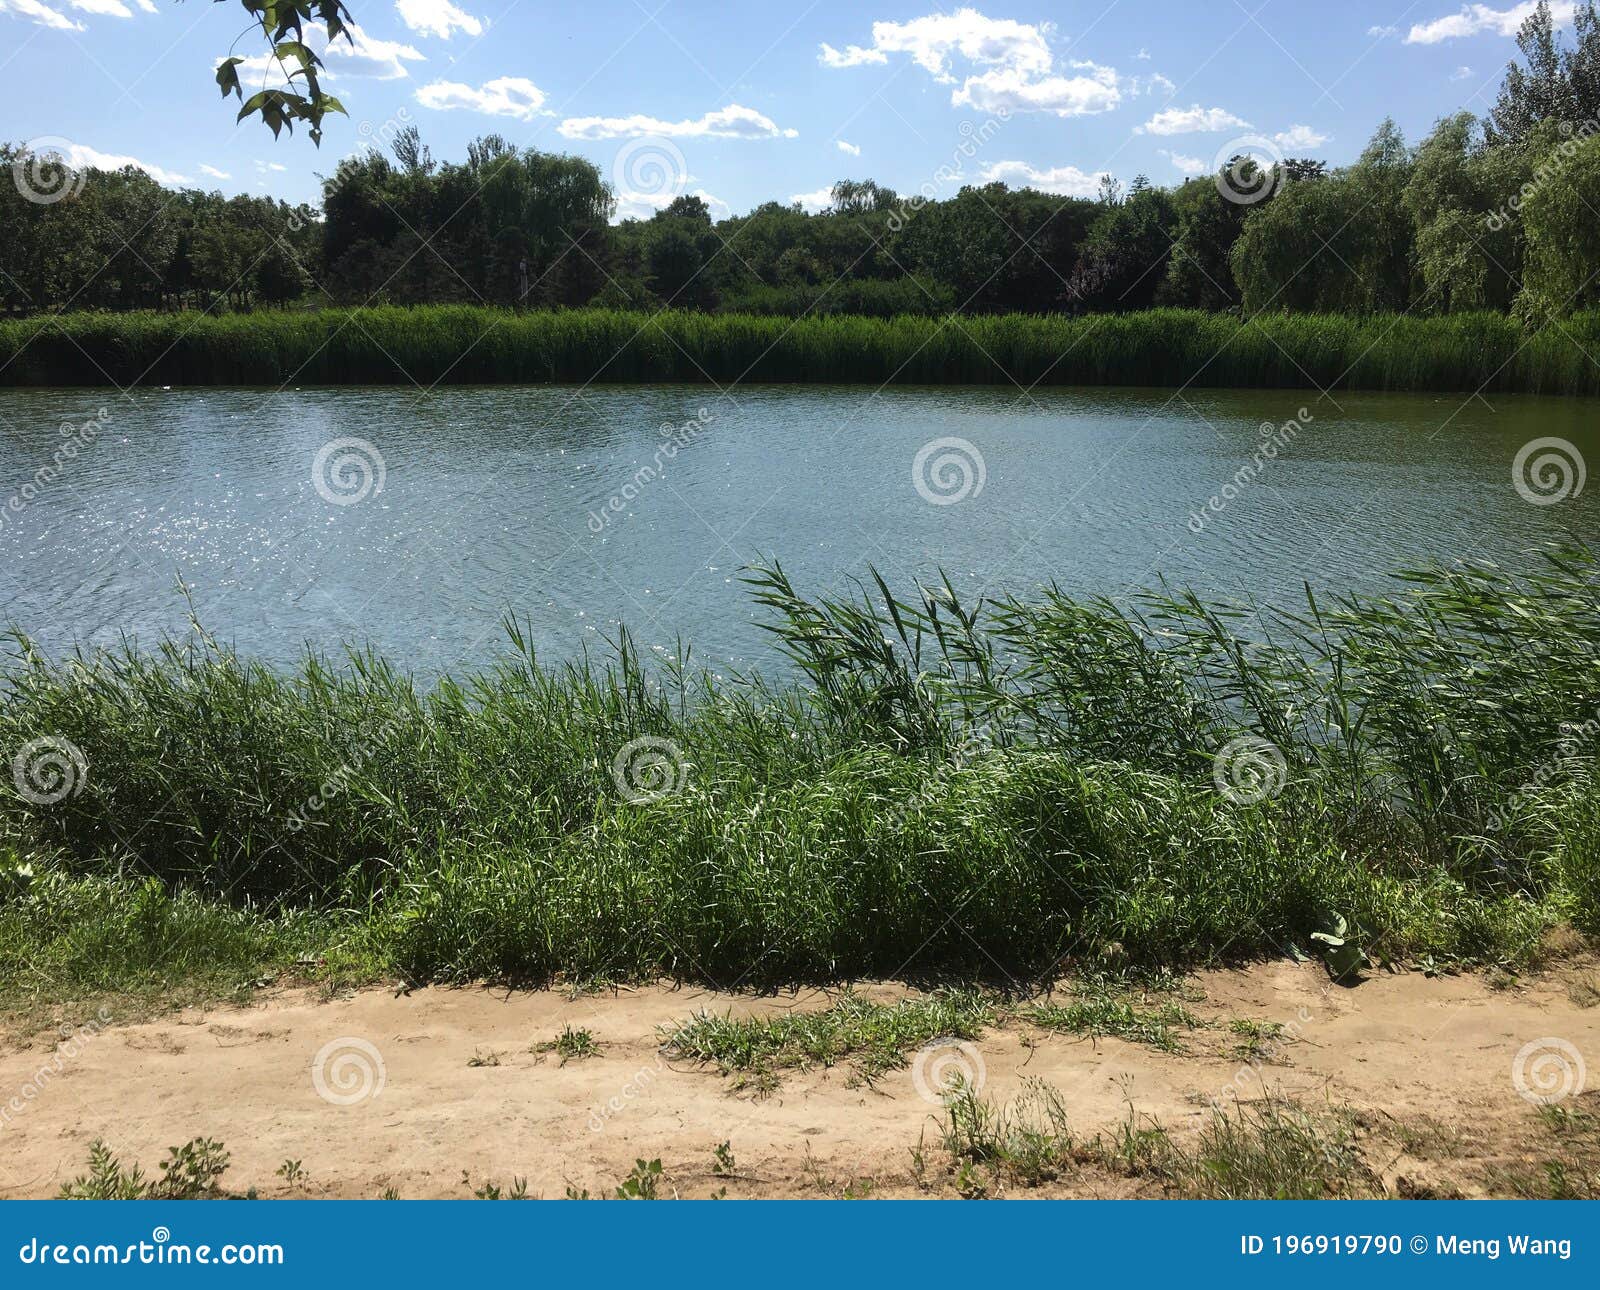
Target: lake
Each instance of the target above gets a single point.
(414, 521)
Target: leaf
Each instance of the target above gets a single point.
(1340, 948)
(294, 49)
(228, 76)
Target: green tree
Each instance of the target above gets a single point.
(1563, 235)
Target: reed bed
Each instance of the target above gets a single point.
(468, 345)
(936, 790)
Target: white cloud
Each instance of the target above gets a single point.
(631, 205)
(1461, 73)
(364, 55)
(42, 14)
(849, 149)
(731, 122)
(851, 56)
(361, 55)
(503, 96)
(1006, 90)
(437, 18)
(1383, 33)
(1477, 19)
(932, 40)
(1012, 67)
(105, 8)
(1143, 55)
(78, 156)
(1186, 165)
(1150, 84)
(820, 200)
(1192, 120)
(1064, 181)
(1300, 136)
(50, 16)
(214, 172)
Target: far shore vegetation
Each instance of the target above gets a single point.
(1464, 261)
(463, 344)
(1006, 791)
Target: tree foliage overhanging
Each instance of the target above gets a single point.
(1495, 214)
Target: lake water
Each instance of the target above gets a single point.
(580, 510)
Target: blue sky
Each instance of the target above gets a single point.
(746, 102)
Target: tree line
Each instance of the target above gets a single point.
(1498, 213)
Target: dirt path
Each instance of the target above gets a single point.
(409, 1091)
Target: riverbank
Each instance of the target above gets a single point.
(472, 345)
(1003, 792)
(1270, 1081)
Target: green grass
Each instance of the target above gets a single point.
(1001, 791)
(72, 936)
(1269, 1150)
(190, 1172)
(877, 1035)
(1158, 1026)
(571, 1045)
(470, 345)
